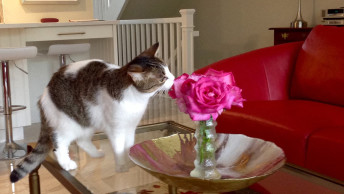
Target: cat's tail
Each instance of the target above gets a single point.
(36, 157)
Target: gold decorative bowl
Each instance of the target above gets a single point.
(241, 160)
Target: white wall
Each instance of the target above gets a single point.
(231, 27)
(107, 9)
(15, 12)
(1, 12)
(140, 9)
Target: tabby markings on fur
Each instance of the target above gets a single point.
(93, 95)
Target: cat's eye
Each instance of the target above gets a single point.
(153, 65)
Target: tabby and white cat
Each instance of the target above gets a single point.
(92, 95)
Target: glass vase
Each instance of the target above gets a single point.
(205, 163)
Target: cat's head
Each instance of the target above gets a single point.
(149, 73)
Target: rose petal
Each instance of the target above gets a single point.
(202, 96)
(199, 117)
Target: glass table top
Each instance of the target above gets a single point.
(98, 175)
(162, 118)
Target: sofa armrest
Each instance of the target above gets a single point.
(263, 74)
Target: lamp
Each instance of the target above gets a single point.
(299, 22)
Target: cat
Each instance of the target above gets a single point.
(93, 95)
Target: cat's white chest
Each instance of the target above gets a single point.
(133, 102)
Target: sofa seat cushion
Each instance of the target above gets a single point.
(288, 123)
(325, 152)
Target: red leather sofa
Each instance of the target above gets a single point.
(295, 98)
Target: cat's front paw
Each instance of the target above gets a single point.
(97, 154)
(71, 165)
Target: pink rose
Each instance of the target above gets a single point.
(175, 89)
(203, 96)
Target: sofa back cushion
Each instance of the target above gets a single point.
(319, 69)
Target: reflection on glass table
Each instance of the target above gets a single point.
(162, 118)
(98, 175)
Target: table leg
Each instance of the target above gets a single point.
(172, 189)
(34, 182)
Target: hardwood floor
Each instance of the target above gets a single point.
(48, 183)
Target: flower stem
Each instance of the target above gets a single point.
(206, 147)
(205, 163)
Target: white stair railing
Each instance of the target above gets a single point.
(175, 37)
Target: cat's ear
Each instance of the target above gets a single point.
(152, 51)
(135, 72)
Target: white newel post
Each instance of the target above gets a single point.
(115, 44)
(187, 40)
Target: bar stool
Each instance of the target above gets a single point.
(11, 150)
(67, 49)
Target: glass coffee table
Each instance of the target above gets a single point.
(98, 175)
(162, 118)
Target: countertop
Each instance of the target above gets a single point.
(56, 24)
